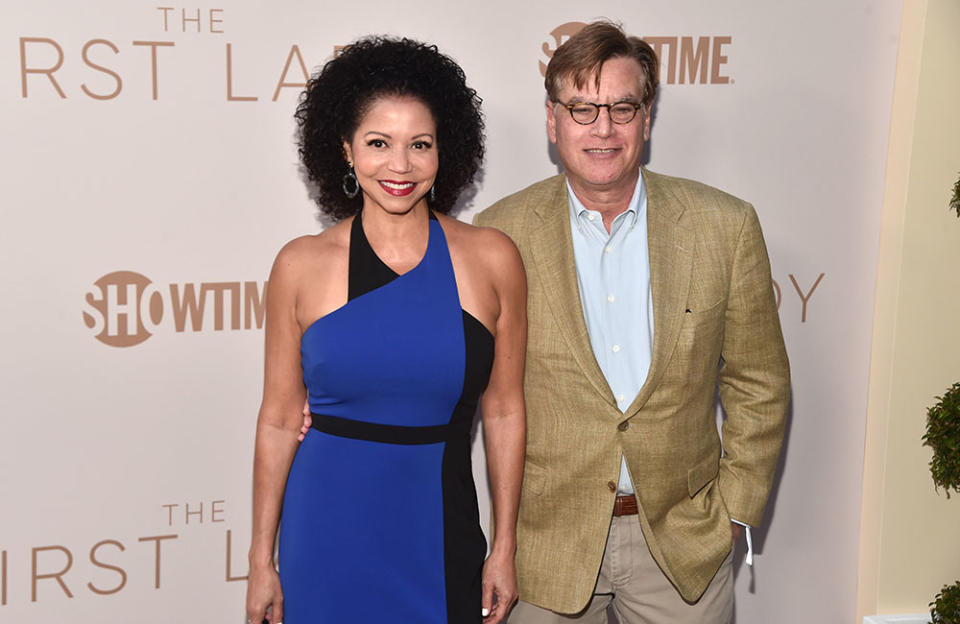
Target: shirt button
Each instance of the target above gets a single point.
(620, 397)
(611, 486)
(616, 348)
(610, 298)
(623, 426)
(591, 217)
(607, 249)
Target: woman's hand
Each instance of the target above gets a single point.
(500, 580)
(264, 596)
(307, 421)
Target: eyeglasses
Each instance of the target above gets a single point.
(585, 113)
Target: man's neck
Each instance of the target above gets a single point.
(610, 201)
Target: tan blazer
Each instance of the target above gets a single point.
(713, 302)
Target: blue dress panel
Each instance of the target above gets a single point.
(380, 521)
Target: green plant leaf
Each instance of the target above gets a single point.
(943, 436)
(945, 609)
(955, 200)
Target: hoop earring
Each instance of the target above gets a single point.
(433, 193)
(350, 185)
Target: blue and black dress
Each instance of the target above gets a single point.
(380, 521)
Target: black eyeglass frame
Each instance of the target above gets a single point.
(597, 107)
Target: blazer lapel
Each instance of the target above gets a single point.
(671, 262)
(551, 246)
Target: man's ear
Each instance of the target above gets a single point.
(551, 121)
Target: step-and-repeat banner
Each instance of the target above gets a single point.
(149, 175)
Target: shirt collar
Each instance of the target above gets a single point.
(629, 216)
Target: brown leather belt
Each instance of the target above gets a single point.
(625, 506)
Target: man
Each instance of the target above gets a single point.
(647, 295)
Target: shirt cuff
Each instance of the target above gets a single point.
(749, 558)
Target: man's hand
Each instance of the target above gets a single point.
(307, 420)
(737, 531)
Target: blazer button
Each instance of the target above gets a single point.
(611, 486)
(623, 426)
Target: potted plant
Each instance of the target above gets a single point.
(943, 436)
(955, 200)
(946, 608)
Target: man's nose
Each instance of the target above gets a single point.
(603, 126)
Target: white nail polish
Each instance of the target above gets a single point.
(484, 612)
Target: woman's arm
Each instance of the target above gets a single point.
(504, 422)
(277, 428)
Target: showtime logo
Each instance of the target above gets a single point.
(127, 307)
(683, 59)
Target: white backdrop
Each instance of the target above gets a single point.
(149, 176)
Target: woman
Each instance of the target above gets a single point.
(390, 324)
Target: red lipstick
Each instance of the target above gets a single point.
(397, 188)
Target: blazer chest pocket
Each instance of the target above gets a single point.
(702, 474)
(701, 322)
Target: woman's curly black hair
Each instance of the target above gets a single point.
(337, 97)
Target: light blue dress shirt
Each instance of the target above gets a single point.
(613, 273)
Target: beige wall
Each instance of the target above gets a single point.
(910, 540)
(153, 217)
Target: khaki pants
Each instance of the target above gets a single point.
(632, 584)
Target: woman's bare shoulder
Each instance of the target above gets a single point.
(488, 255)
(487, 244)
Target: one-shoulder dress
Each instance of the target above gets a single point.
(380, 520)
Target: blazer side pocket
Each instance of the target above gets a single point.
(534, 479)
(702, 474)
